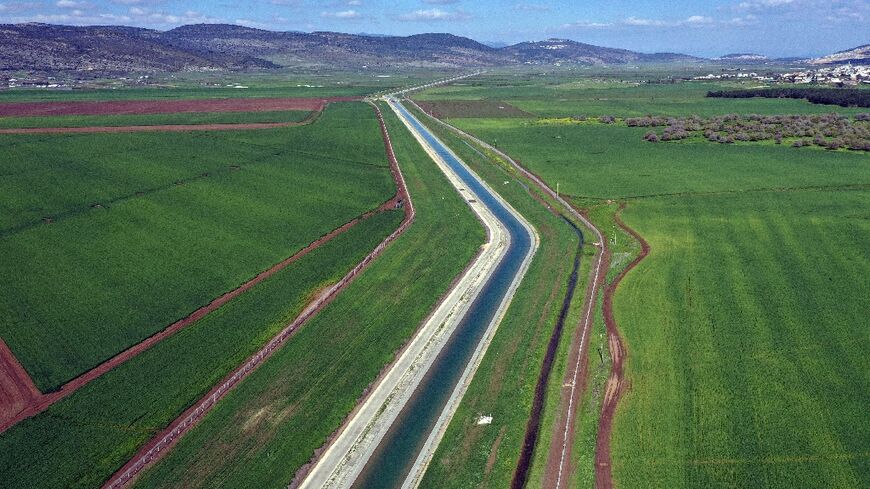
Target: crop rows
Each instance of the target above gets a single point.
(164, 232)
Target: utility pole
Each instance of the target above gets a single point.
(557, 189)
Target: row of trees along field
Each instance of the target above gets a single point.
(831, 131)
(844, 97)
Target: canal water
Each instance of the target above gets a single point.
(395, 455)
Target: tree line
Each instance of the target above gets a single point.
(830, 131)
(844, 97)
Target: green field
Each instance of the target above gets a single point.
(745, 327)
(747, 335)
(153, 119)
(566, 97)
(271, 425)
(165, 239)
(82, 440)
(606, 162)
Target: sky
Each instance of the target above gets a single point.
(697, 27)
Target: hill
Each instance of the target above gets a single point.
(205, 47)
(43, 47)
(743, 57)
(860, 54)
(568, 51)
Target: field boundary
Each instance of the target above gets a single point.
(164, 441)
(616, 384)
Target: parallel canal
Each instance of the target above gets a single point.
(395, 455)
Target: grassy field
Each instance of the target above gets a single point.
(153, 119)
(605, 162)
(472, 455)
(164, 239)
(747, 338)
(80, 441)
(271, 425)
(745, 327)
(566, 97)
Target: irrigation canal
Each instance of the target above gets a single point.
(395, 456)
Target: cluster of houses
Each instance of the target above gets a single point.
(843, 75)
(847, 74)
(35, 80)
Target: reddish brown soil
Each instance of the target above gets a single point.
(563, 437)
(117, 107)
(521, 472)
(616, 384)
(156, 128)
(161, 444)
(17, 405)
(17, 390)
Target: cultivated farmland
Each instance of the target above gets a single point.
(105, 421)
(272, 425)
(92, 221)
(745, 327)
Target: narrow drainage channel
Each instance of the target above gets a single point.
(394, 457)
(521, 474)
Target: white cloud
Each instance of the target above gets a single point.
(532, 7)
(583, 24)
(71, 4)
(691, 21)
(763, 4)
(15, 7)
(440, 2)
(699, 19)
(343, 14)
(136, 16)
(435, 15)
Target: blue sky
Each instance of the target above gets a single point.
(707, 28)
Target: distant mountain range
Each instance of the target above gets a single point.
(206, 47)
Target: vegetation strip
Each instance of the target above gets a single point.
(521, 473)
(848, 97)
(615, 384)
(163, 442)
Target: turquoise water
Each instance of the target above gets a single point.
(395, 455)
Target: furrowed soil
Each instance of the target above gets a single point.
(117, 107)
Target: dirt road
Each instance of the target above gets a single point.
(616, 384)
